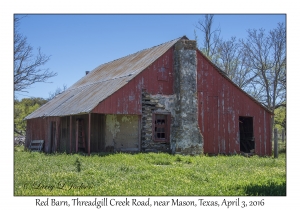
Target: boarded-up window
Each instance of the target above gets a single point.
(161, 127)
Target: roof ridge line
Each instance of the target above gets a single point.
(138, 52)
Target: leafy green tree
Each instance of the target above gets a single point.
(22, 109)
(280, 118)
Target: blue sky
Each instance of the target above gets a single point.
(79, 43)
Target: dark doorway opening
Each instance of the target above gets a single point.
(247, 142)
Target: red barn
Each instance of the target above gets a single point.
(168, 98)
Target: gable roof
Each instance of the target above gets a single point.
(83, 96)
(103, 81)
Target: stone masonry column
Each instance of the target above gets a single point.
(187, 138)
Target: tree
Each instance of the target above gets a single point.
(228, 55)
(57, 92)
(211, 37)
(23, 108)
(280, 118)
(266, 56)
(257, 64)
(232, 60)
(27, 66)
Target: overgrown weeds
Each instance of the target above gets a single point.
(151, 174)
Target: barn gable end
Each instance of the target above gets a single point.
(222, 107)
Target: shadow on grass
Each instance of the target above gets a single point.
(272, 189)
(282, 150)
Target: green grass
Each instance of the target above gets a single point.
(148, 174)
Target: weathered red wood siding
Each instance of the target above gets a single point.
(40, 129)
(156, 79)
(220, 105)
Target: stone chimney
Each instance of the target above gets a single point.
(186, 136)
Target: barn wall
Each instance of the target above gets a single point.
(159, 80)
(122, 133)
(64, 135)
(220, 105)
(155, 79)
(119, 122)
(40, 129)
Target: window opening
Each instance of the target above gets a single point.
(160, 127)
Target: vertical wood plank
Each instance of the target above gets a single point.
(76, 146)
(275, 143)
(89, 135)
(71, 134)
(139, 132)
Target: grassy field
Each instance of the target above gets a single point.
(148, 174)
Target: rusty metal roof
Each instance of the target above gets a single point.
(100, 83)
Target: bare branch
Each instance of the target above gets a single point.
(211, 36)
(27, 66)
(57, 92)
(266, 54)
